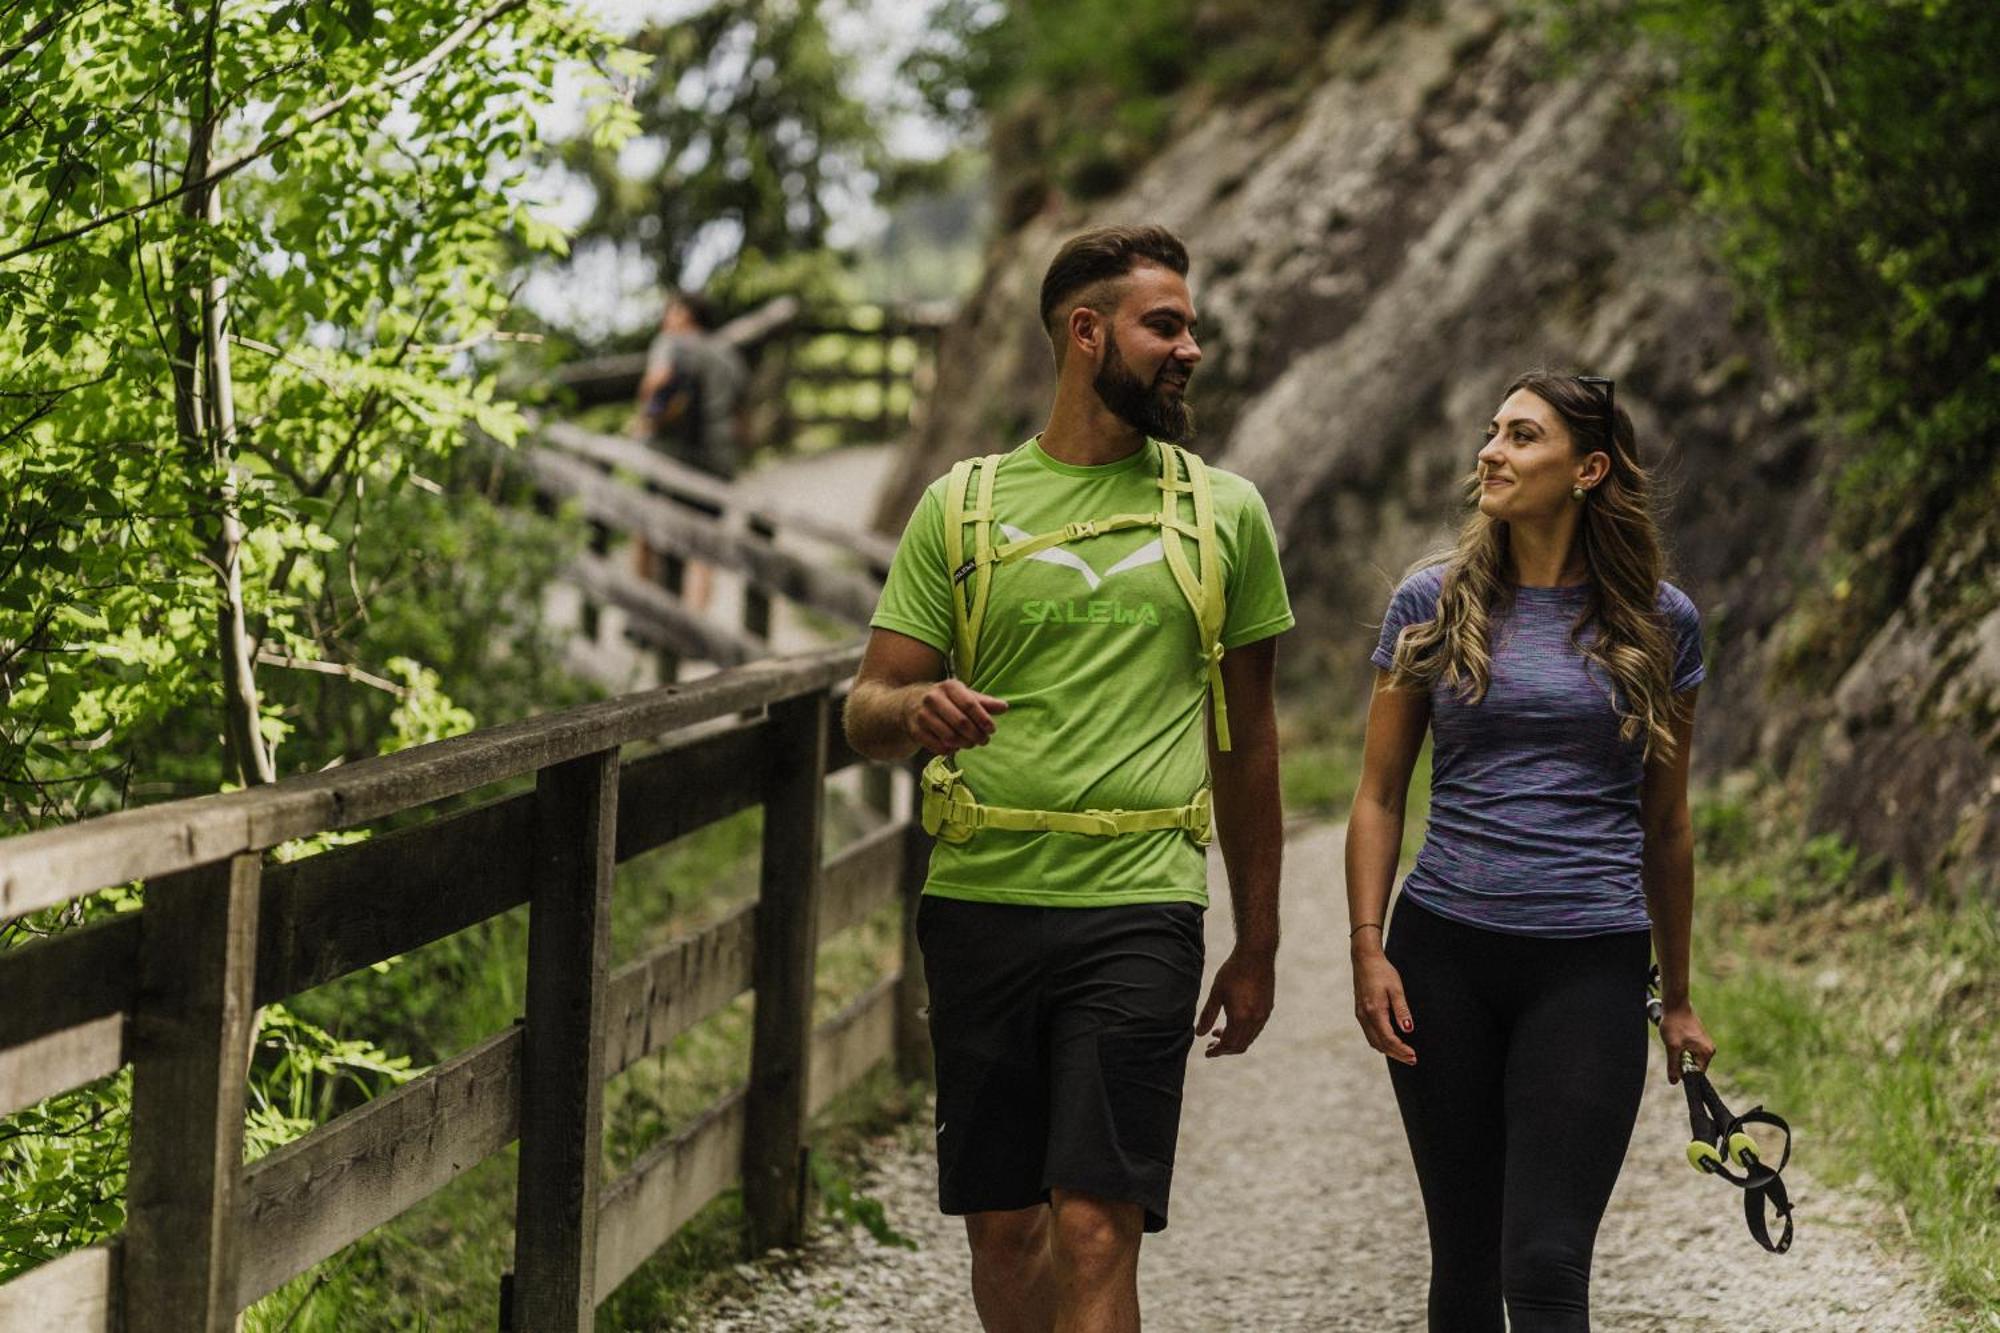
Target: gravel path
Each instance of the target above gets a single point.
(1295, 1205)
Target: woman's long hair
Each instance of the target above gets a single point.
(1622, 553)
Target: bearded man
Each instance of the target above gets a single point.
(1107, 606)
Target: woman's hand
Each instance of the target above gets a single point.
(1379, 1005)
(1681, 1031)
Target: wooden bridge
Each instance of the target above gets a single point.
(862, 372)
(173, 991)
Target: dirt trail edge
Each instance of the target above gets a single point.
(1295, 1206)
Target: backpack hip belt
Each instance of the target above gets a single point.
(952, 814)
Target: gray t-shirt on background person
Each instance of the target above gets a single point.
(715, 374)
(1534, 819)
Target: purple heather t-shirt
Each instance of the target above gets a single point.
(1534, 820)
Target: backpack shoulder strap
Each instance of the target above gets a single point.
(1203, 589)
(971, 578)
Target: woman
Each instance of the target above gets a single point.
(1556, 672)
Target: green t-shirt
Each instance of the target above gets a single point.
(1097, 653)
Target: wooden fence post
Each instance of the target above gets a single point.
(878, 789)
(885, 379)
(562, 1064)
(190, 1036)
(787, 939)
(913, 1029)
(757, 602)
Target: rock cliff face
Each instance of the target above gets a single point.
(1375, 258)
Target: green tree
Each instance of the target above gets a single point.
(254, 258)
(1851, 151)
(251, 263)
(1076, 94)
(760, 134)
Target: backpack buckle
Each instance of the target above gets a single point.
(1078, 531)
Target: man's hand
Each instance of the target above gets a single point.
(949, 717)
(1244, 989)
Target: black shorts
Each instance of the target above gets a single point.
(1061, 1037)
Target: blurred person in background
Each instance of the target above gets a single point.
(690, 407)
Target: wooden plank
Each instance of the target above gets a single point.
(913, 997)
(839, 754)
(878, 789)
(656, 998)
(660, 619)
(689, 784)
(672, 527)
(43, 869)
(562, 1075)
(674, 1180)
(354, 906)
(787, 921)
(669, 476)
(350, 907)
(756, 601)
(190, 1034)
(308, 1200)
(69, 978)
(681, 481)
(665, 1188)
(60, 1061)
(74, 1294)
(852, 1042)
(860, 880)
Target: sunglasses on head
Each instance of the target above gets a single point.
(1610, 406)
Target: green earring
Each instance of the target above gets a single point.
(1577, 493)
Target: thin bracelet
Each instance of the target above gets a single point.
(1365, 925)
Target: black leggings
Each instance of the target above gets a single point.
(1531, 1058)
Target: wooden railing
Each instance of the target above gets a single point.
(623, 487)
(173, 990)
(853, 375)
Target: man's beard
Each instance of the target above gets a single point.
(1149, 409)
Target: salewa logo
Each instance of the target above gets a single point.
(1088, 613)
(1149, 554)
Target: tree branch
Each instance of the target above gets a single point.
(35, 34)
(270, 143)
(351, 672)
(363, 418)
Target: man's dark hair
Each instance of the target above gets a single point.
(1099, 257)
(700, 309)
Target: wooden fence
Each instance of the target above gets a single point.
(173, 990)
(853, 375)
(622, 486)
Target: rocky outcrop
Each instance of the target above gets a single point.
(1375, 258)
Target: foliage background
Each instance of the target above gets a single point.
(254, 270)
(1850, 150)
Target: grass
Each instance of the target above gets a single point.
(1319, 767)
(438, 1266)
(1871, 1020)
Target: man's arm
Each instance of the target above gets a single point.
(659, 369)
(1250, 827)
(903, 701)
